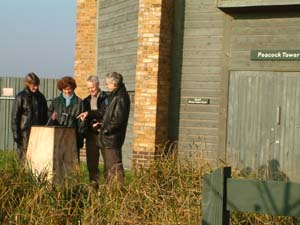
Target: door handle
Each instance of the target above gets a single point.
(278, 115)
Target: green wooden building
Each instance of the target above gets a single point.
(222, 78)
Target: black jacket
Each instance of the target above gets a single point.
(95, 115)
(115, 119)
(67, 115)
(28, 109)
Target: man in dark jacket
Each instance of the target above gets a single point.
(94, 105)
(113, 128)
(29, 108)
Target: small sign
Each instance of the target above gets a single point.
(204, 101)
(7, 92)
(275, 55)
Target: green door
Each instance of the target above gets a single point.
(263, 122)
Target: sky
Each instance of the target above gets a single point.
(37, 36)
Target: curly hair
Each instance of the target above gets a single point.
(66, 82)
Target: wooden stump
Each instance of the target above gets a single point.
(52, 151)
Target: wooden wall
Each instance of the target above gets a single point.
(117, 39)
(208, 43)
(197, 72)
(263, 30)
(276, 83)
(251, 3)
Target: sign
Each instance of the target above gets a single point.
(275, 55)
(7, 92)
(198, 101)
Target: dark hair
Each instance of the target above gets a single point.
(66, 82)
(31, 78)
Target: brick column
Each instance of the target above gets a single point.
(152, 79)
(86, 43)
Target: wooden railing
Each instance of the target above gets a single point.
(222, 194)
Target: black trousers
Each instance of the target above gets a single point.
(113, 166)
(22, 147)
(92, 156)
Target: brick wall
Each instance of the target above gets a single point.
(152, 79)
(85, 51)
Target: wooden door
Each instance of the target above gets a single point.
(263, 121)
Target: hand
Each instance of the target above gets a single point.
(82, 116)
(96, 125)
(54, 116)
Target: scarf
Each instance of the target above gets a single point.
(68, 99)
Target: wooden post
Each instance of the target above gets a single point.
(52, 151)
(214, 198)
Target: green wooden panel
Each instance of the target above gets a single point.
(197, 68)
(252, 3)
(288, 138)
(263, 124)
(269, 31)
(177, 45)
(128, 144)
(214, 198)
(117, 39)
(270, 197)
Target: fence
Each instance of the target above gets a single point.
(222, 194)
(14, 85)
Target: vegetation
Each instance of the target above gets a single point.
(165, 193)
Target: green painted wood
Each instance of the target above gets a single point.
(197, 70)
(269, 197)
(176, 67)
(214, 198)
(128, 143)
(262, 30)
(117, 39)
(252, 3)
(258, 137)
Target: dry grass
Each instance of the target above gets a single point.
(165, 193)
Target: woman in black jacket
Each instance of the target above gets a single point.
(29, 108)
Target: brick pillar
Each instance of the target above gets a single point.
(152, 79)
(86, 44)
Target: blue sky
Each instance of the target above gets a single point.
(37, 36)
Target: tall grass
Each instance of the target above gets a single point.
(165, 193)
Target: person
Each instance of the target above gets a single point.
(94, 106)
(64, 109)
(113, 128)
(29, 109)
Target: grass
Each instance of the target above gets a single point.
(166, 193)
